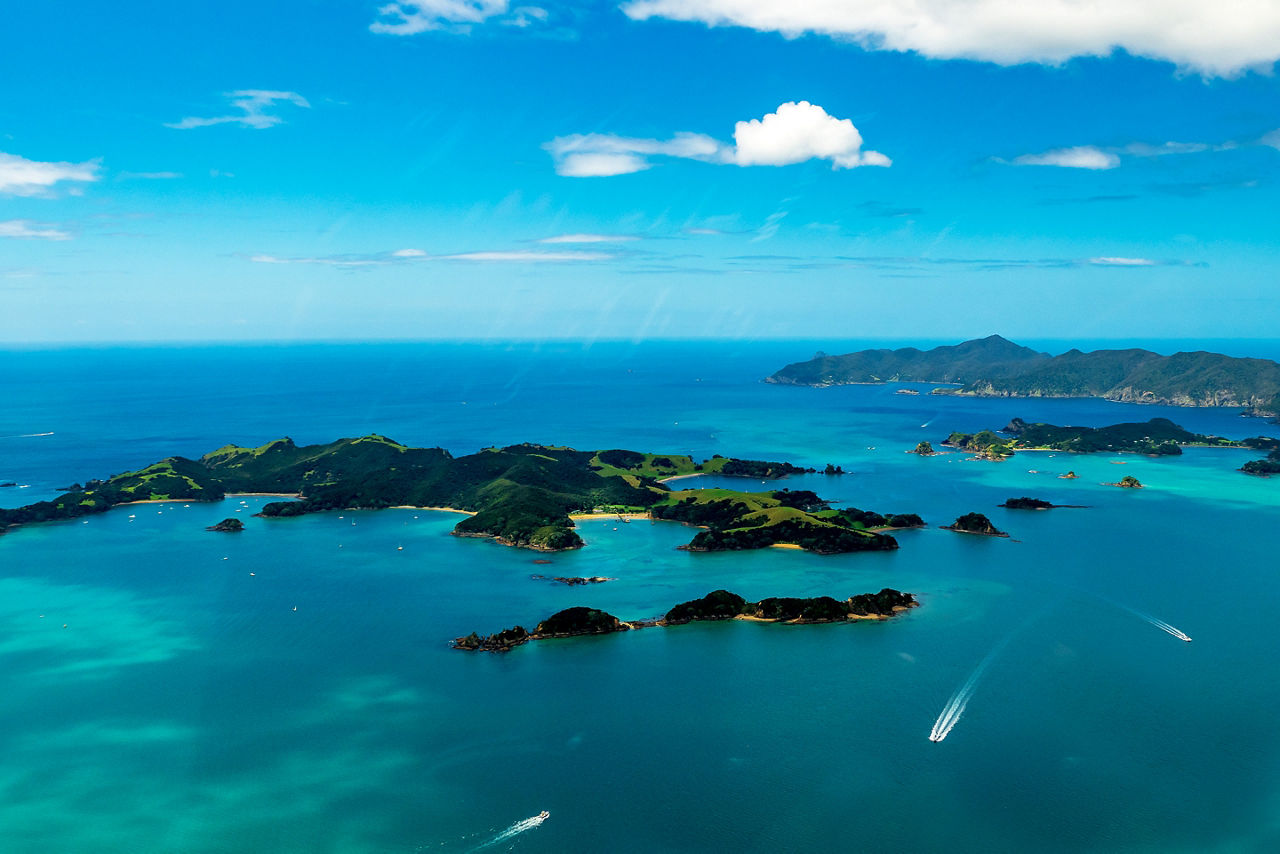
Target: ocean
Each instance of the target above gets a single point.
(292, 688)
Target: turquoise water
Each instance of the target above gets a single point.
(158, 691)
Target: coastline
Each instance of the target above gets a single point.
(682, 477)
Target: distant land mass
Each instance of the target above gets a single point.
(521, 495)
(996, 367)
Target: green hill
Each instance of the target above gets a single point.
(521, 495)
(995, 367)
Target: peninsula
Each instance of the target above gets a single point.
(996, 367)
(715, 606)
(521, 495)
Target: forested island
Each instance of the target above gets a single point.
(717, 605)
(1268, 466)
(1157, 437)
(521, 495)
(996, 367)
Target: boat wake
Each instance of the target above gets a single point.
(515, 830)
(28, 435)
(1162, 625)
(955, 707)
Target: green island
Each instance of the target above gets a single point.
(521, 495)
(1265, 467)
(1027, 503)
(1157, 437)
(975, 523)
(230, 525)
(996, 367)
(717, 605)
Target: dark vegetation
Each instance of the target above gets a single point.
(985, 444)
(1025, 503)
(995, 367)
(1269, 466)
(975, 523)
(752, 520)
(1157, 437)
(228, 525)
(760, 469)
(717, 605)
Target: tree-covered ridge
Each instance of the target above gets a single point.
(750, 520)
(521, 495)
(175, 478)
(995, 367)
(1158, 437)
(717, 605)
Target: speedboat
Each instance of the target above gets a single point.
(544, 815)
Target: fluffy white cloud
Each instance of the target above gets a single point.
(1220, 38)
(252, 104)
(798, 132)
(1078, 157)
(22, 177)
(411, 18)
(590, 238)
(794, 133)
(27, 229)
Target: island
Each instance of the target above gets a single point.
(715, 606)
(574, 581)
(751, 520)
(975, 523)
(1026, 503)
(1127, 482)
(984, 445)
(996, 367)
(924, 449)
(229, 525)
(1157, 437)
(1265, 467)
(521, 495)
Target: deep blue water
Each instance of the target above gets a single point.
(158, 691)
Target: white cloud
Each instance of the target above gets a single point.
(25, 228)
(252, 104)
(401, 256)
(798, 132)
(22, 177)
(1078, 157)
(590, 238)
(1216, 39)
(1122, 262)
(794, 133)
(411, 18)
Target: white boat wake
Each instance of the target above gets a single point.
(515, 830)
(1162, 625)
(955, 707)
(28, 435)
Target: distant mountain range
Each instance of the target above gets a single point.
(997, 367)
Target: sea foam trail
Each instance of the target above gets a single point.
(1147, 618)
(514, 830)
(955, 707)
(28, 435)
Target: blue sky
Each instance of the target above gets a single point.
(659, 168)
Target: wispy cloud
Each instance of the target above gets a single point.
(1076, 157)
(794, 133)
(22, 177)
(148, 176)
(252, 104)
(25, 228)
(457, 16)
(590, 238)
(1109, 261)
(1215, 39)
(404, 256)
